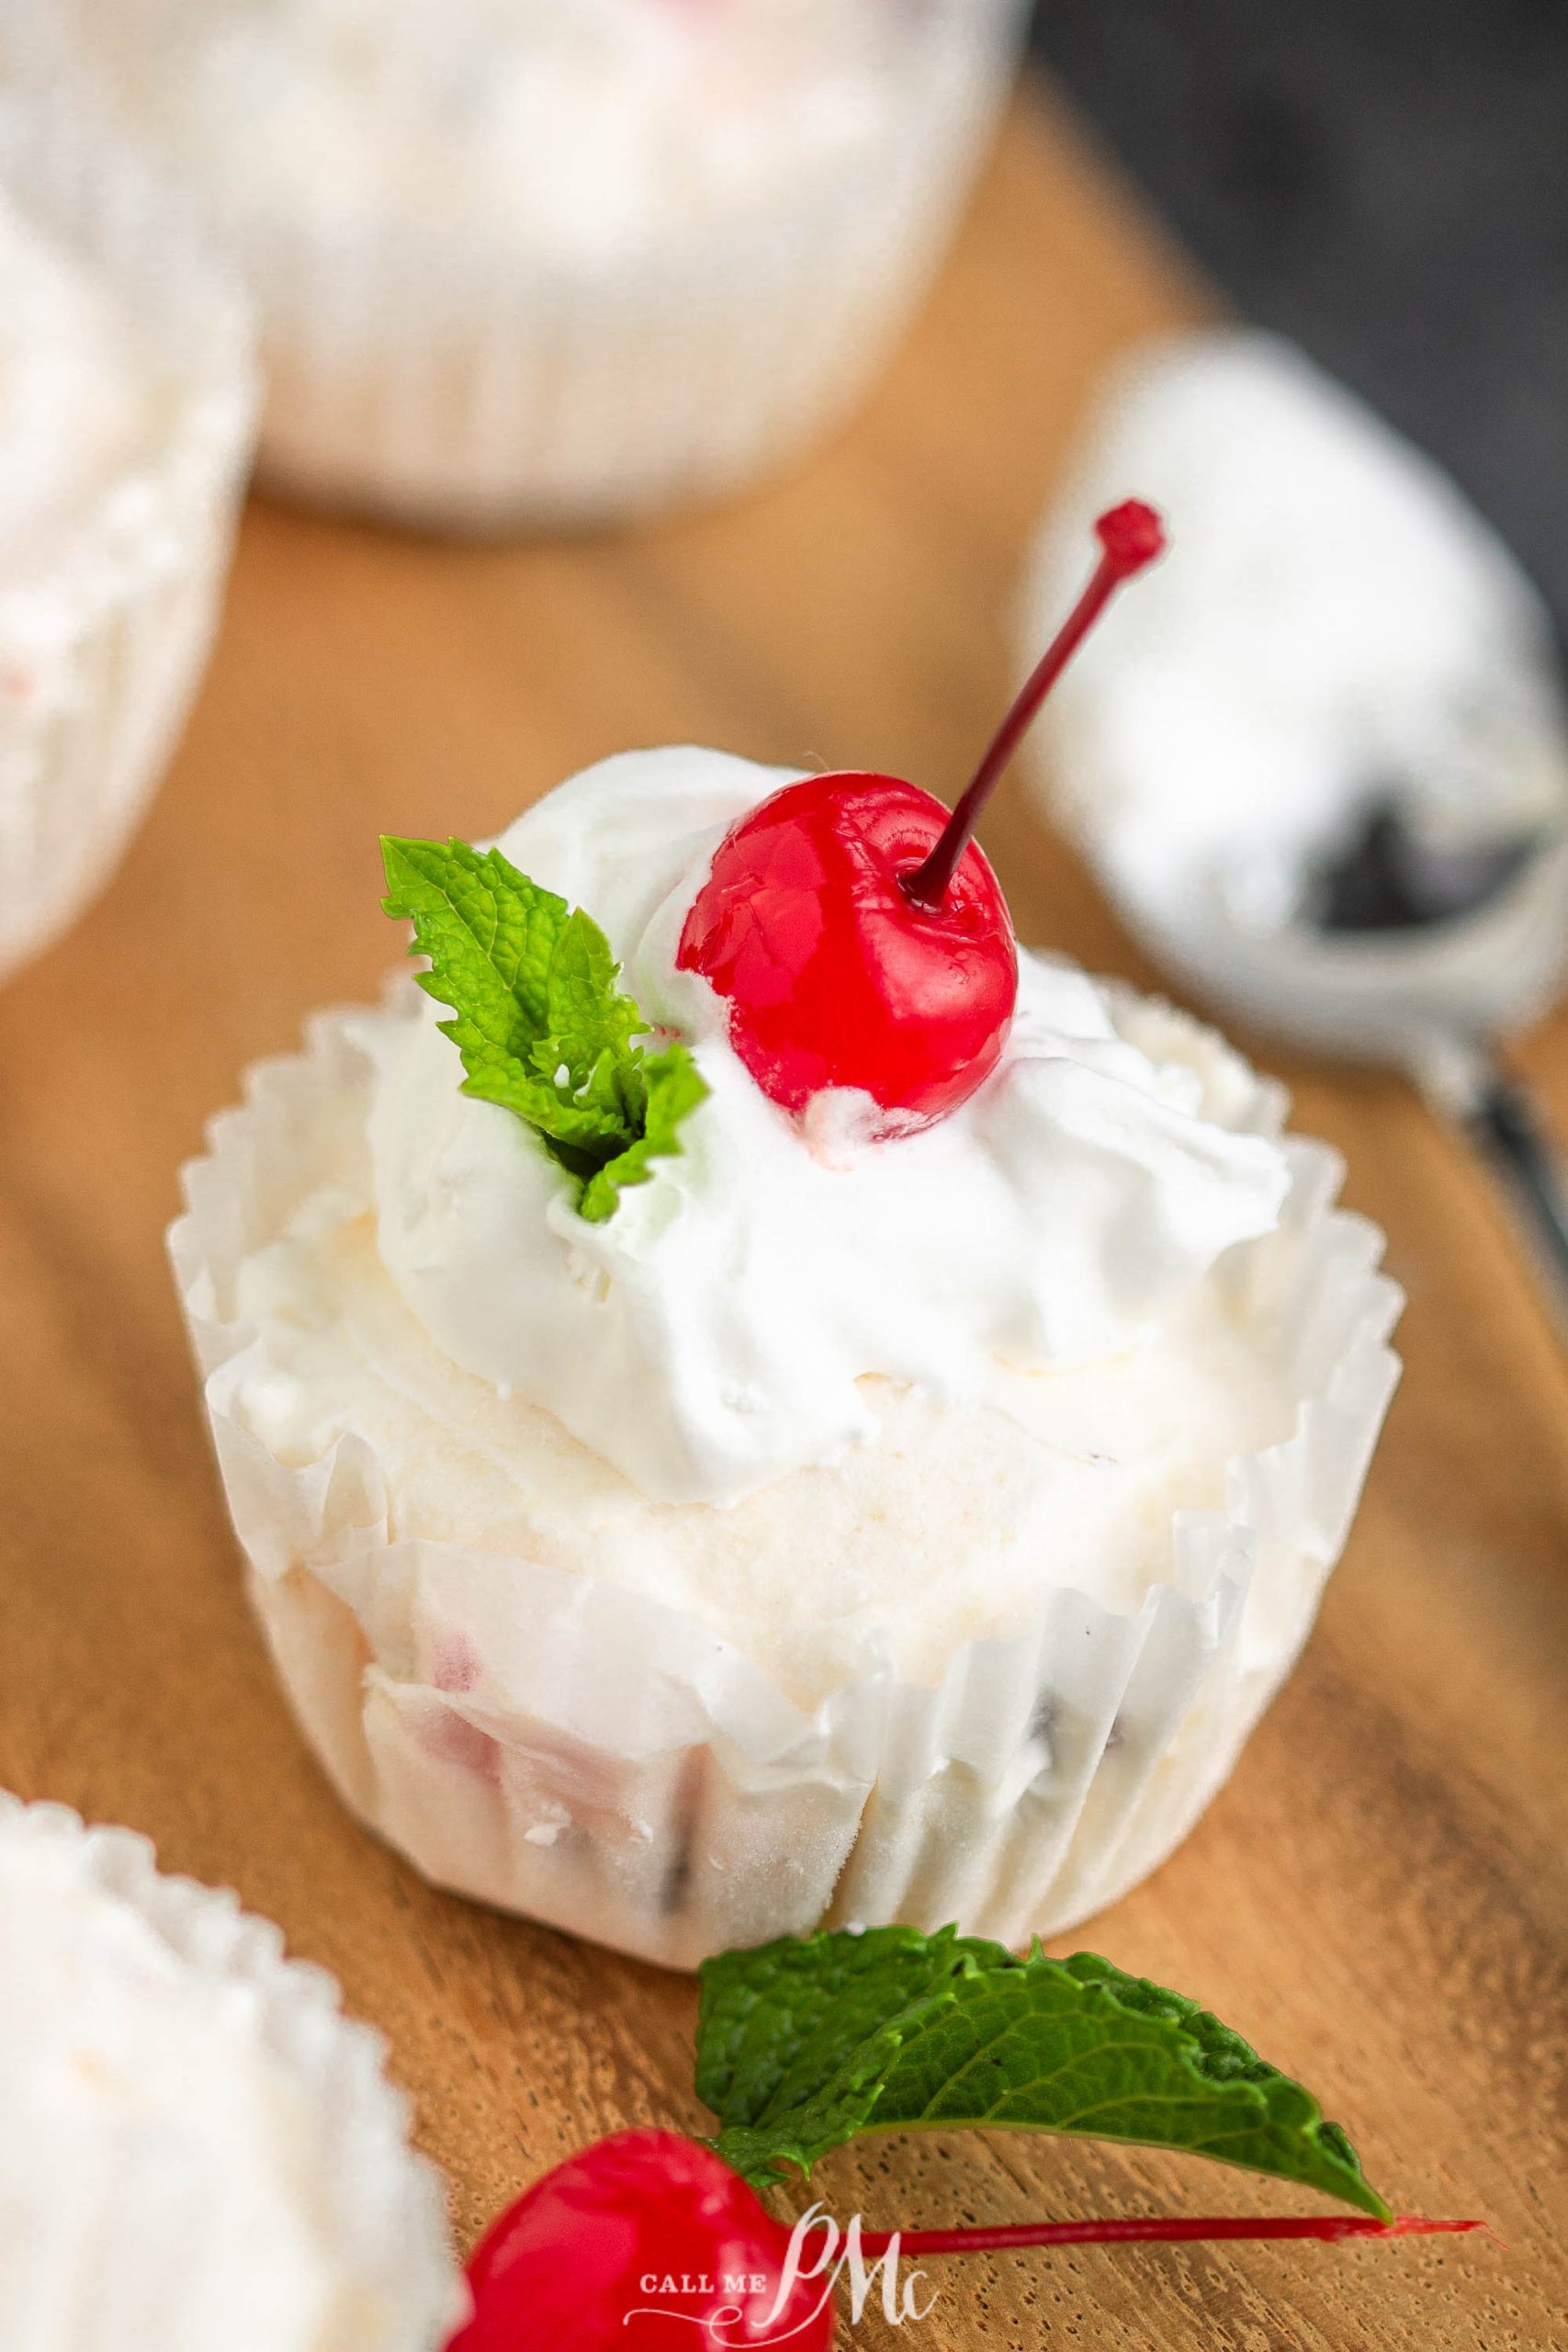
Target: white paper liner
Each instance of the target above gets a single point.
(101, 653)
(621, 1771)
(458, 381)
(387, 2222)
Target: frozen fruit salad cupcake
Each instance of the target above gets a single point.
(126, 404)
(197, 2149)
(849, 1423)
(540, 260)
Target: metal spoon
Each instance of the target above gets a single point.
(1407, 955)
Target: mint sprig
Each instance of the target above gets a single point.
(804, 2043)
(538, 1020)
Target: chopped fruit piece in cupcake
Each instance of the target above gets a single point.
(200, 2150)
(126, 403)
(765, 1402)
(562, 260)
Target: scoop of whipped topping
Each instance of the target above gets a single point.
(1343, 633)
(712, 1334)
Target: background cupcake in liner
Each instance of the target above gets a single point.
(127, 411)
(561, 1745)
(274, 2203)
(564, 262)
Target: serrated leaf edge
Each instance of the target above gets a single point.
(782, 2166)
(561, 1126)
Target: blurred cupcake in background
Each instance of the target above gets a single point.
(127, 407)
(552, 261)
(197, 2149)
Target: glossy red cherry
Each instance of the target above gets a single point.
(855, 926)
(628, 2243)
(833, 977)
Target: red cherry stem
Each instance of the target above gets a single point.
(1130, 536)
(1162, 2229)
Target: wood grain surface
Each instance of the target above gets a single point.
(1379, 1897)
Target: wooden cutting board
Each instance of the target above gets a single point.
(1378, 1899)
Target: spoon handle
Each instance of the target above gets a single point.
(1511, 1129)
(1505, 1121)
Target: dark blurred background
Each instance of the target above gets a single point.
(1386, 180)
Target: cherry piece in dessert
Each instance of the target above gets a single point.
(628, 2243)
(855, 926)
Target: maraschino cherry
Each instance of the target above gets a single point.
(599, 2252)
(856, 925)
(630, 2243)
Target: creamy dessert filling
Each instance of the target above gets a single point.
(944, 1526)
(151, 2116)
(585, 127)
(81, 400)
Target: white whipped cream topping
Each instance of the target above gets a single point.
(77, 388)
(164, 2174)
(1335, 626)
(585, 126)
(715, 1333)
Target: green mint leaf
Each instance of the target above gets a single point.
(583, 1004)
(490, 934)
(804, 2043)
(537, 1019)
(672, 1087)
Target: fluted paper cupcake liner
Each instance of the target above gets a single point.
(101, 648)
(385, 2218)
(611, 1766)
(455, 379)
